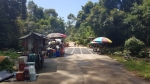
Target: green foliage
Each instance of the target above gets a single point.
(144, 53)
(57, 25)
(134, 45)
(42, 20)
(118, 58)
(126, 5)
(6, 64)
(104, 18)
(138, 23)
(11, 53)
(118, 53)
(10, 27)
(139, 67)
(114, 50)
(113, 20)
(51, 12)
(126, 53)
(83, 33)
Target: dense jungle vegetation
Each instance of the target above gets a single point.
(115, 19)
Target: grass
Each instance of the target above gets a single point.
(139, 67)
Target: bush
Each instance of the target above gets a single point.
(134, 45)
(6, 64)
(144, 53)
(12, 53)
(126, 53)
(115, 49)
(118, 53)
(120, 48)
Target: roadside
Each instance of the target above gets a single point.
(71, 44)
(84, 69)
(139, 67)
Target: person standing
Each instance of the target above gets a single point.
(74, 43)
(62, 47)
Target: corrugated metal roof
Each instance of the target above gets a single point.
(38, 34)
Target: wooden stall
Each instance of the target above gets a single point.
(32, 46)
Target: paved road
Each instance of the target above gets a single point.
(79, 50)
(82, 66)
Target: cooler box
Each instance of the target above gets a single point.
(30, 63)
(31, 57)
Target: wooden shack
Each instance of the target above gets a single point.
(34, 42)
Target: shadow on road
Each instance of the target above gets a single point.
(49, 66)
(84, 69)
(67, 54)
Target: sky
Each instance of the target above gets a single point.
(63, 7)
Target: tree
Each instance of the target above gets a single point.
(57, 26)
(71, 20)
(110, 4)
(84, 13)
(23, 10)
(138, 21)
(51, 12)
(127, 4)
(10, 29)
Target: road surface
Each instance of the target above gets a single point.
(79, 50)
(82, 66)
